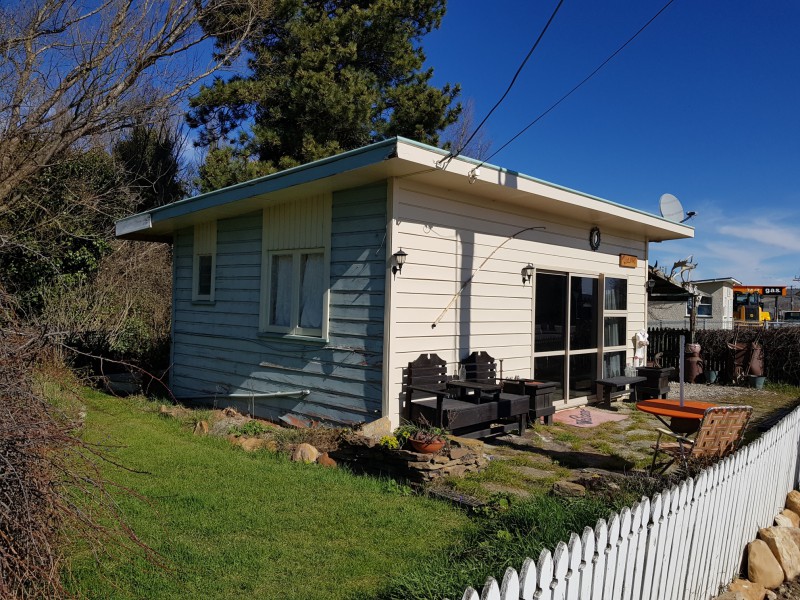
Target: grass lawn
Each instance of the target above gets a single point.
(231, 524)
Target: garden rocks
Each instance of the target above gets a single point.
(748, 590)
(784, 547)
(793, 501)
(762, 566)
(201, 428)
(224, 425)
(377, 429)
(783, 521)
(326, 461)
(305, 453)
(459, 457)
(251, 444)
(792, 516)
(568, 489)
(176, 412)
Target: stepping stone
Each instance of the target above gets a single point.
(534, 473)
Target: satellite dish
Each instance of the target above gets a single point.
(671, 208)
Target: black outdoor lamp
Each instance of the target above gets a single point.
(527, 273)
(399, 261)
(651, 283)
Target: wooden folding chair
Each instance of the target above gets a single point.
(720, 433)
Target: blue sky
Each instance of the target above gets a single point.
(704, 104)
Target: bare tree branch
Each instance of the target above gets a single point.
(72, 69)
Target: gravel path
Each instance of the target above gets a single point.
(701, 391)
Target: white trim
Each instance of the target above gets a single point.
(204, 244)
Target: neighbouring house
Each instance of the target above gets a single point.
(290, 296)
(670, 304)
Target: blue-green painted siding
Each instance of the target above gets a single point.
(217, 349)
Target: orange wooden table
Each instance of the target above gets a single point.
(683, 419)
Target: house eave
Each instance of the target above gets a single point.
(404, 159)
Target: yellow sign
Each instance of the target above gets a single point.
(628, 261)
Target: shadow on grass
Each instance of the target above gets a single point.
(570, 459)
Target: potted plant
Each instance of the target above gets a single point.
(423, 438)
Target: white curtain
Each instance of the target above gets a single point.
(614, 364)
(281, 290)
(312, 288)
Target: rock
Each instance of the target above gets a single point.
(305, 453)
(173, 411)
(459, 453)
(781, 521)
(201, 428)
(730, 596)
(251, 444)
(476, 446)
(792, 516)
(762, 566)
(568, 489)
(784, 548)
(376, 429)
(230, 412)
(326, 461)
(770, 595)
(793, 501)
(748, 589)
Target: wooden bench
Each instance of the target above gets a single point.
(428, 399)
(616, 387)
(480, 367)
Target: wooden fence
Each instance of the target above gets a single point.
(683, 544)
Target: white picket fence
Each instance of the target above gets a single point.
(683, 544)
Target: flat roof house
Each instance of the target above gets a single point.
(288, 298)
(714, 304)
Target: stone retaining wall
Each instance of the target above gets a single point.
(458, 457)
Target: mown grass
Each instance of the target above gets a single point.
(230, 524)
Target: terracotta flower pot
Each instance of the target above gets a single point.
(427, 447)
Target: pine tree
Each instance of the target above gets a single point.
(324, 77)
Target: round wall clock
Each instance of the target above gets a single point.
(594, 238)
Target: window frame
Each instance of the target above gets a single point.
(608, 313)
(710, 304)
(294, 329)
(204, 244)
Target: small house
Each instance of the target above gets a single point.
(306, 292)
(671, 307)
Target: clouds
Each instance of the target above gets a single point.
(753, 246)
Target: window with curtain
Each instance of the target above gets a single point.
(615, 325)
(295, 277)
(296, 292)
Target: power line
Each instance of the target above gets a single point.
(458, 151)
(569, 93)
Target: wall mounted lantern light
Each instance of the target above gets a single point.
(527, 273)
(399, 260)
(650, 284)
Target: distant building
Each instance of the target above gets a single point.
(672, 307)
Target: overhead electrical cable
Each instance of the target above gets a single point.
(458, 151)
(569, 93)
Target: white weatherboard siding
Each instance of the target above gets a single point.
(448, 237)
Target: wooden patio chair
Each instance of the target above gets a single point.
(482, 368)
(720, 434)
(428, 400)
